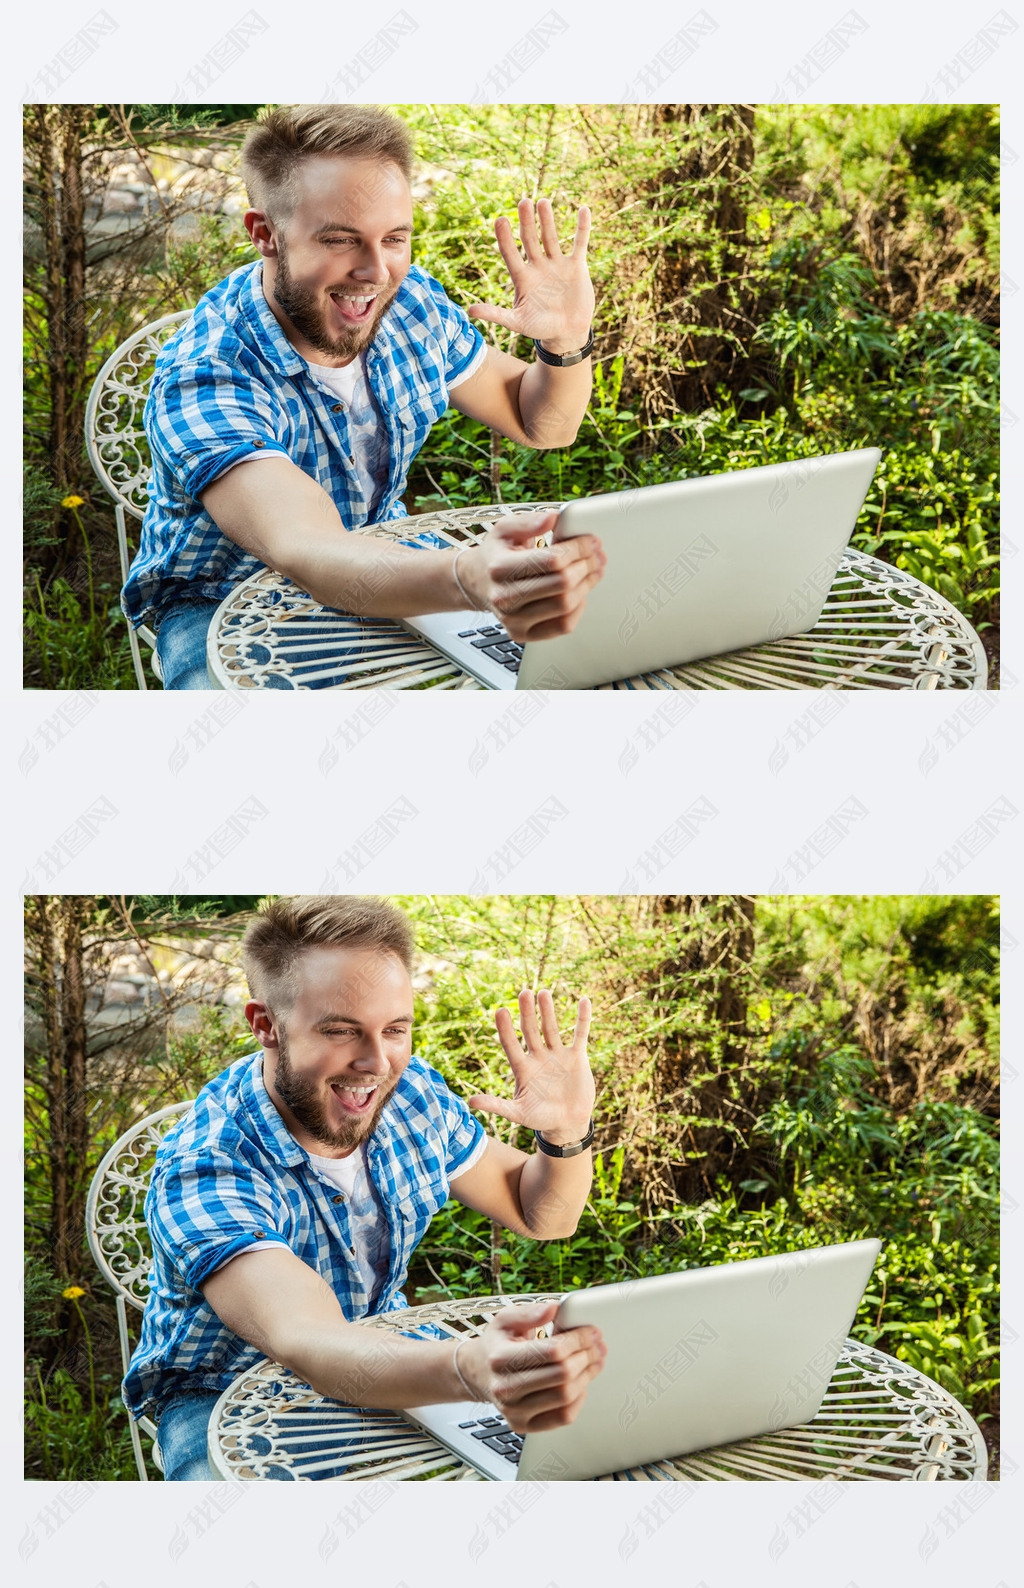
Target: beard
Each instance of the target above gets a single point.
(304, 1097)
(304, 308)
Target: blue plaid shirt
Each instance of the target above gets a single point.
(230, 382)
(232, 1176)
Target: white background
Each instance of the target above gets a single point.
(590, 793)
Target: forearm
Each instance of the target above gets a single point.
(553, 400)
(283, 516)
(291, 1314)
(373, 579)
(369, 1367)
(553, 1193)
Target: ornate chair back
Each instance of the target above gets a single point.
(116, 441)
(116, 1231)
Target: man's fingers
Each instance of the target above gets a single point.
(528, 1019)
(561, 1401)
(528, 1364)
(579, 242)
(507, 244)
(507, 1036)
(530, 586)
(484, 1103)
(528, 230)
(548, 229)
(548, 1022)
(531, 562)
(538, 626)
(524, 1320)
(582, 1030)
(553, 593)
(544, 620)
(494, 314)
(523, 529)
(556, 1390)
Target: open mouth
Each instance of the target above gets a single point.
(354, 311)
(355, 1099)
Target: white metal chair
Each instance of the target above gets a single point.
(116, 441)
(118, 1237)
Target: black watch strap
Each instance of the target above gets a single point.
(570, 1150)
(565, 359)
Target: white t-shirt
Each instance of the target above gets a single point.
(367, 1223)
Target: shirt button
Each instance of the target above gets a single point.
(338, 408)
(351, 1251)
(338, 1199)
(351, 459)
(259, 1234)
(259, 443)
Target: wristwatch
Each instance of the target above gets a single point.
(571, 1150)
(565, 359)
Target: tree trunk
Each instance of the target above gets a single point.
(54, 143)
(73, 125)
(75, 1083)
(696, 1073)
(45, 928)
(698, 280)
(55, 931)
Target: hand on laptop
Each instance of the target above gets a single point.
(537, 591)
(554, 1091)
(535, 1383)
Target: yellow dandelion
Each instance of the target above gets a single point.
(72, 1293)
(73, 501)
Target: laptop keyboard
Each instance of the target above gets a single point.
(494, 641)
(495, 1433)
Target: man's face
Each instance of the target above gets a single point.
(341, 1048)
(340, 256)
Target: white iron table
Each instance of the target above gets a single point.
(880, 629)
(880, 1419)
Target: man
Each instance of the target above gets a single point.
(291, 1199)
(291, 406)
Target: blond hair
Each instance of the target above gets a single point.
(285, 929)
(284, 138)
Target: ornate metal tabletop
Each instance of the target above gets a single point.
(880, 629)
(879, 1419)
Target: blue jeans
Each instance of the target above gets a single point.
(181, 645)
(181, 1435)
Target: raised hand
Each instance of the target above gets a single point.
(554, 1089)
(554, 298)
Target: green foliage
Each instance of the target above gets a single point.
(75, 1424)
(67, 646)
(67, 1439)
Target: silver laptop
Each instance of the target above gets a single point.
(695, 1360)
(695, 568)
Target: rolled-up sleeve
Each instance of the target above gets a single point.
(204, 416)
(463, 1134)
(460, 338)
(203, 1210)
